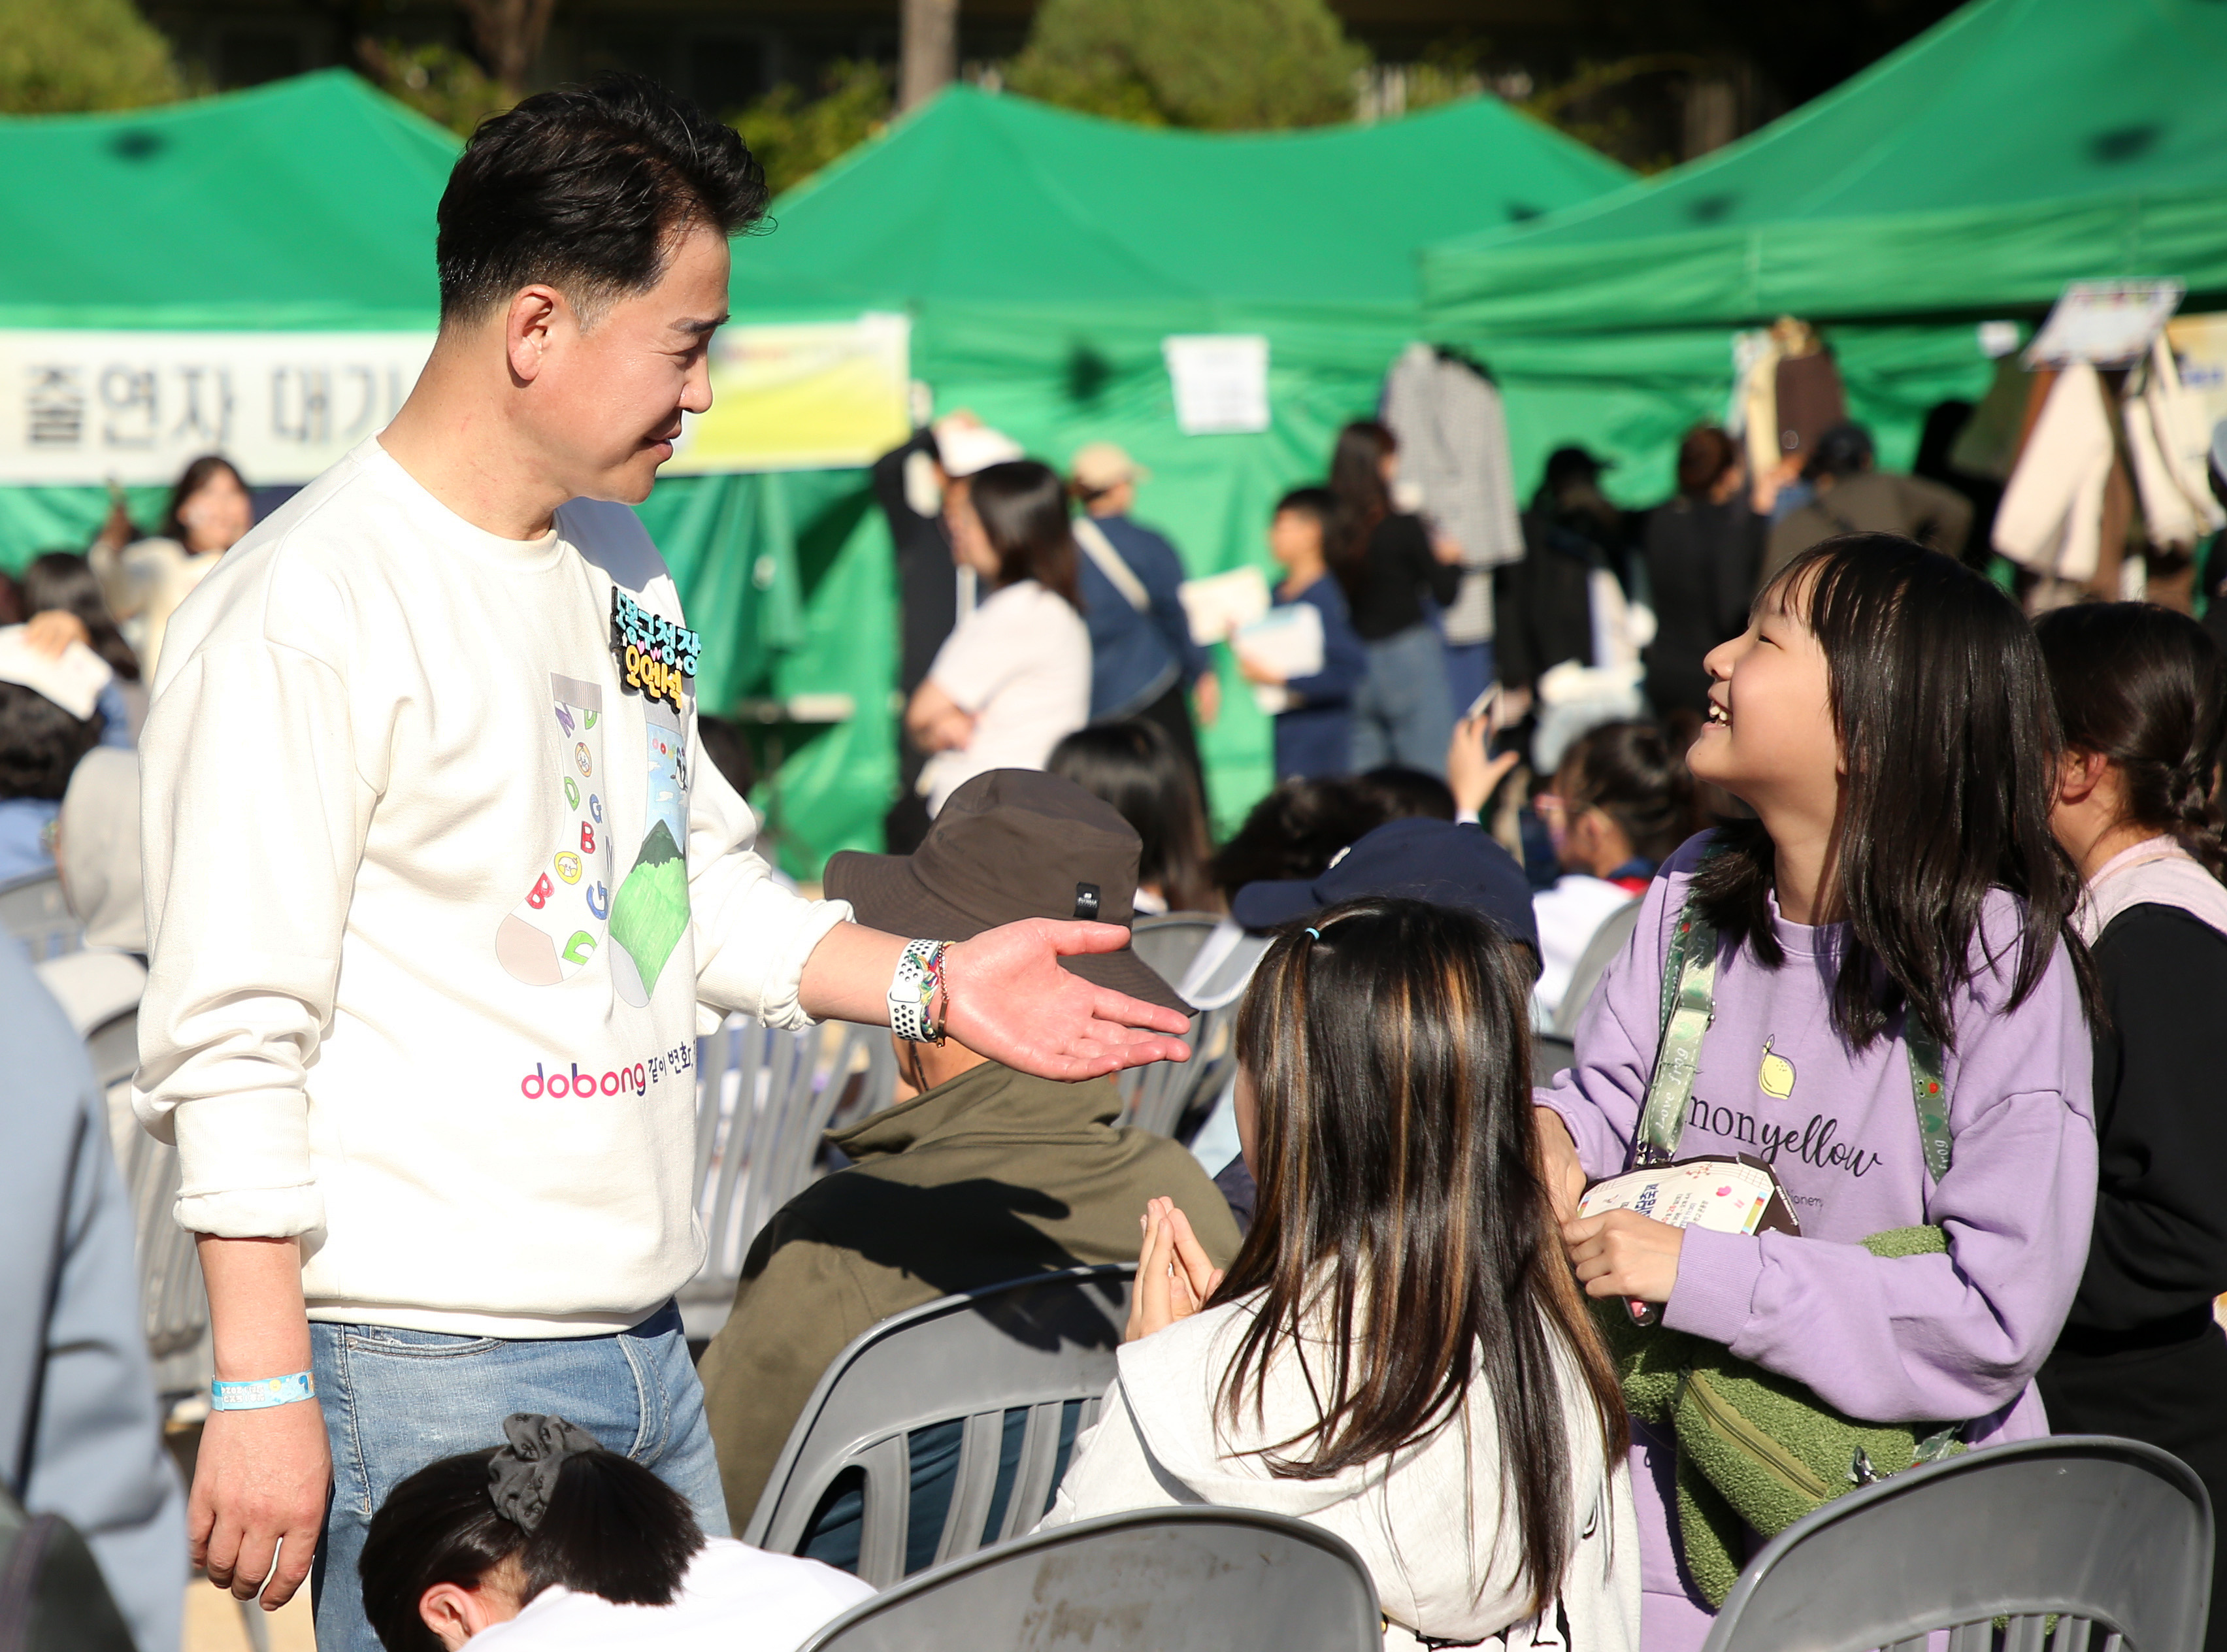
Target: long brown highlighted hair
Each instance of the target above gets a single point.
(1403, 1214)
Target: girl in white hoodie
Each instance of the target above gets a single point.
(1398, 1353)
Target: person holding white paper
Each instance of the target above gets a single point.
(1314, 730)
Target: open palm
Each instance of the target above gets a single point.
(1011, 1001)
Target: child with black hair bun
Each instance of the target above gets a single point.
(1620, 804)
(551, 1542)
(1875, 987)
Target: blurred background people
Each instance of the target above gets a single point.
(1622, 801)
(210, 511)
(910, 483)
(1573, 616)
(1134, 766)
(1014, 676)
(1142, 660)
(1855, 496)
(63, 583)
(1314, 727)
(1390, 567)
(49, 719)
(1703, 547)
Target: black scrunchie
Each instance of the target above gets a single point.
(522, 1476)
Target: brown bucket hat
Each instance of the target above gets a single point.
(1008, 844)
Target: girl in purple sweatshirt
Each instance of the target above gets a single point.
(1887, 716)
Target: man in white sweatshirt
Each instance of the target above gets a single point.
(439, 898)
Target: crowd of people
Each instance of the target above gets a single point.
(1790, 827)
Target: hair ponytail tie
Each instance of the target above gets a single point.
(1316, 933)
(522, 1476)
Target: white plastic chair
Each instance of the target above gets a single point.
(2109, 1538)
(1150, 1581)
(1159, 1097)
(764, 1100)
(1015, 1371)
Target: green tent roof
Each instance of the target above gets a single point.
(982, 201)
(2019, 144)
(308, 203)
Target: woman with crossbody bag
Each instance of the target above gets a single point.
(1872, 988)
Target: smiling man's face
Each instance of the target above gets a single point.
(609, 396)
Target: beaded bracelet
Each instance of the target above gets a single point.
(914, 991)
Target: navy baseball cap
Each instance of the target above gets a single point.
(1413, 859)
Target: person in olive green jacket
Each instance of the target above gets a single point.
(987, 1174)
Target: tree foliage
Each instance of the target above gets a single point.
(63, 56)
(440, 82)
(1224, 64)
(793, 136)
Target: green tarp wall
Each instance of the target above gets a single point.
(2018, 145)
(1041, 258)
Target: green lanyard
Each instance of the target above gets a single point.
(1689, 1004)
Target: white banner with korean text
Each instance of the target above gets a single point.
(87, 406)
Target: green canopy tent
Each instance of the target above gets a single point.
(2017, 146)
(1043, 257)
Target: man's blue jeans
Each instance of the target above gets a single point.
(395, 1401)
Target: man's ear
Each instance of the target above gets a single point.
(535, 312)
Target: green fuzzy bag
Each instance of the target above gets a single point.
(1757, 1449)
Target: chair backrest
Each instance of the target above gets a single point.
(1021, 1366)
(764, 1099)
(1613, 935)
(1158, 1097)
(1152, 1580)
(33, 910)
(1167, 941)
(2110, 1537)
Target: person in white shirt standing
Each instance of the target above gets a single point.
(439, 896)
(1013, 679)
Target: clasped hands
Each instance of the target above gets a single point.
(1621, 1253)
(1175, 1276)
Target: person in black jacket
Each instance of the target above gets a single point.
(1387, 562)
(2142, 694)
(1703, 548)
(1544, 604)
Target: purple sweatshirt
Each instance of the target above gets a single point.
(1921, 1338)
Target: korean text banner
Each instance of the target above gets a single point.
(804, 395)
(85, 405)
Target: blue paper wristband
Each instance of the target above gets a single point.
(262, 1394)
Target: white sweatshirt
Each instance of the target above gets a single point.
(433, 899)
(1430, 1522)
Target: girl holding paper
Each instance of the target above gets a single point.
(1313, 710)
(1874, 987)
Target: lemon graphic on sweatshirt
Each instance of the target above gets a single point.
(1776, 1078)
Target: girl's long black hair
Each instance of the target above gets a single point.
(1024, 510)
(1404, 1227)
(1357, 483)
(2146, 688)
(1949, 747)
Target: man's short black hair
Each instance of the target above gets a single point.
(40, 744)
(586, 189)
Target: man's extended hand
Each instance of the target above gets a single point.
(259, 1485)
(1011, 1001)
